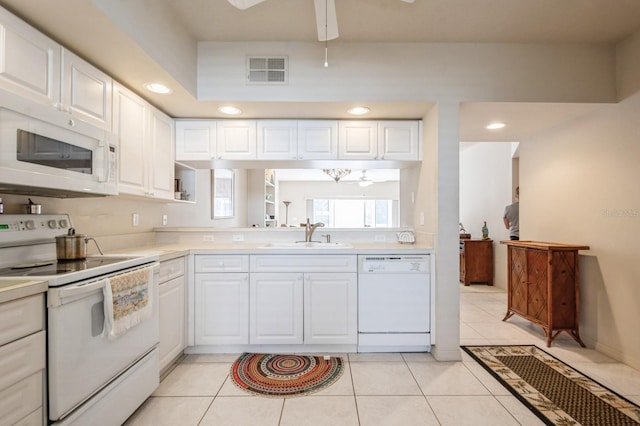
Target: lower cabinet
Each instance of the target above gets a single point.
(222, 308)
(172, 305)
(313, 308)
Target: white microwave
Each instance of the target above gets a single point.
(41, 158)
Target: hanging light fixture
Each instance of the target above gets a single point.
(337, 174)
(326, 35)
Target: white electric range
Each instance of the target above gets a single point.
(91, 379)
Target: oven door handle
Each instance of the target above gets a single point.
(62, 295)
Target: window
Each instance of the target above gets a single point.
(354, 213)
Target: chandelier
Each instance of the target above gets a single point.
(337, 174)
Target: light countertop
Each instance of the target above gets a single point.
(16, 288)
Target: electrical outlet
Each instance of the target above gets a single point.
(379, 238)
(135, 219)
(207, 238)
(238, 237)
(421, 218)
(165, 219)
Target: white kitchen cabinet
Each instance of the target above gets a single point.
(398, 140)
(146, 147)
(358, 140)
(195, 140)
(276, 315)
(86, 91)
(22, 360)
(30, 61)
(277, 140)
(236, 140)
(317, 139)
(221, 299)
(172, 308)
(330, 308)
(221, 308)
(162, 155)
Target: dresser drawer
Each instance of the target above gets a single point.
(222, 263)
(21, 403)
(21, 317)
(171, 269)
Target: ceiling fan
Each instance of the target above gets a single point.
(326, 19)
(365, 180)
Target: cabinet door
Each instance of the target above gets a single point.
(236, 140)
(317, 139)
(130, 125)
(330, 308)
(277, 140)
(172, 320)
(398, 140)
(518, 277)
(222, 309)
(29, 61)
(357, 140)
(195, 140)
(276, 308)
(86, 91)
(161, 169)
(537, 285)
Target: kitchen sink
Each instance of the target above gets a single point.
(307, 245)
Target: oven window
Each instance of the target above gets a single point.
(36, 149)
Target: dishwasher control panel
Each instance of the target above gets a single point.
(390, 264)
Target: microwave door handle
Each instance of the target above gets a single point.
(59, 296)
(104, 148)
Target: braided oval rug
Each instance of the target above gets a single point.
(274, 375)
(552, 390)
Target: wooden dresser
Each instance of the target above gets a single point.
(476, 261)
(543, 286)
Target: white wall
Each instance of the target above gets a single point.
(485, 189)
(580, 185)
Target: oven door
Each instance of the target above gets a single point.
(39, 154)
(80, 361)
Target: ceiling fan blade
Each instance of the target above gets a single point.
(326, 9)
(244, 4)
(408, 1)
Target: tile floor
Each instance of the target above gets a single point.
(383, 389)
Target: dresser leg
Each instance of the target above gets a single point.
(508, 315)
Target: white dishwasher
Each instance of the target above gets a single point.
(394, 303)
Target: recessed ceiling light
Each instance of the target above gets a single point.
(158, 88)
(230, 110)
(496, 126)
(359, 110)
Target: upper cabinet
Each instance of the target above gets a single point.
(317, 139)
(295, 140)
(358, 140)
(37, 69)
(277, 140)
(399, 140)
(86, 91)
(146, 147)
(195, 140)
(30, 61)
(236, 140)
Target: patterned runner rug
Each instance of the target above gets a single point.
(555, 392)
(285, 375)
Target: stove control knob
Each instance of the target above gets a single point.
(63, 223)
(52, 224)
(30, 225)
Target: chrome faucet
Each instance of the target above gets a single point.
(309, 228)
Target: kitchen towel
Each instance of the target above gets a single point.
(127, 301)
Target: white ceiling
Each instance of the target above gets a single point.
(81, 26)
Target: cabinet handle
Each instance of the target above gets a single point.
(301, 157)
(72, 123)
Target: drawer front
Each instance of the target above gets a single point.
(21, 404)
(222, 263)
(171, 269)
(21, 317)
(304, 263)
(21, 359)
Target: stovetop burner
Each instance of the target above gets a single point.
(49, 268)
